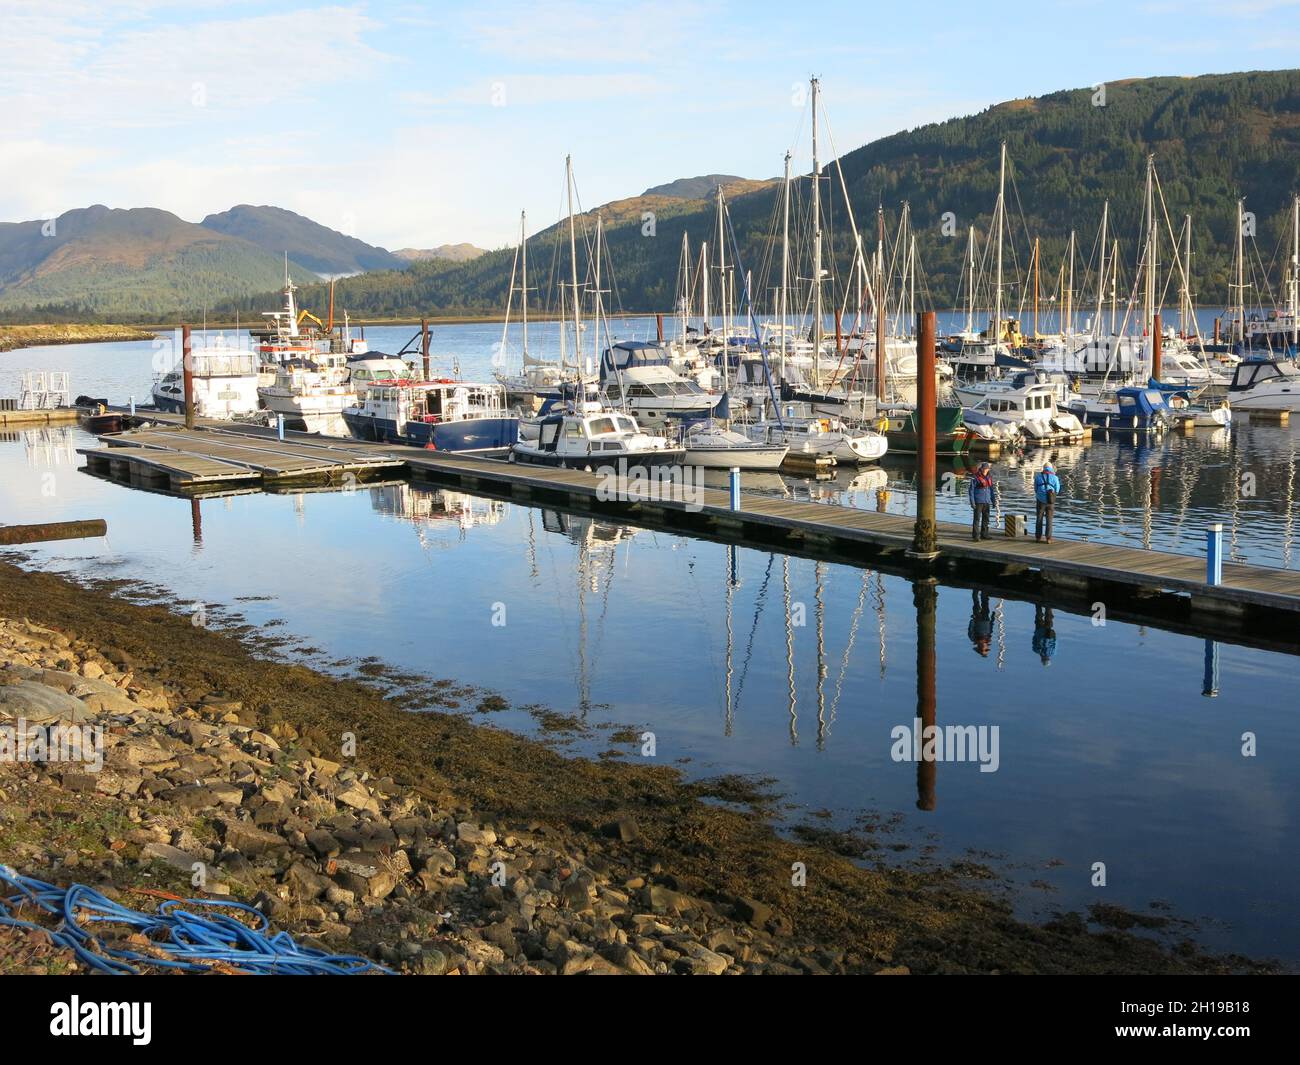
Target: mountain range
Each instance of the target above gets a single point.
(1214, 138)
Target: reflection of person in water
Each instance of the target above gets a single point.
(1044, 634)
(980, 630)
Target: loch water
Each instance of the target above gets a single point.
(1116, 743)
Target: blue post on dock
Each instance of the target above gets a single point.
(1214, 554)
(735, 487)
(279, 426)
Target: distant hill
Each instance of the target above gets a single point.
(694, 188)
(140, 263)
(457, 253)
(1214, 138)
(320, 249)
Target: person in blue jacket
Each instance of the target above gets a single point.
(1047, 486)
(982, 491)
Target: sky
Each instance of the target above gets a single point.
(413, 125)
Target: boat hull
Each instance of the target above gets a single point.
(594, 463)
(471, 435)
(760, 457)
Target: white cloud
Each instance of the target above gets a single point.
(72, 67)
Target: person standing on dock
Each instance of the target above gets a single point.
(1047, 486)
(983, 493)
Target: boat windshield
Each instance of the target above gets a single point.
(597, 426)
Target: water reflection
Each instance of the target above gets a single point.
(750, 661)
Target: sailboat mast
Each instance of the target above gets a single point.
(722, 280)
(704, 282)
(911, 285)
(1295, 272)
(596, 312)
(785, 261)
(998, 213)
(817, 240)
(1185, 311)
(1035, 288)
(1241, 272)
(1101, 266)
(573, 267)
(1067, 326)
(880, 302)
(523, 290)
(1114, 285)
(970, 289)
(685, 306)
(1149, 309)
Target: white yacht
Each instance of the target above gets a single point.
(590, 437)
(1031, 407)
(720, 448)
(821, 436)
(637, 376)
(1262, 383)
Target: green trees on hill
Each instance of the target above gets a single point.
(1214, 138)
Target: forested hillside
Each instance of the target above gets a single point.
(1214, 138)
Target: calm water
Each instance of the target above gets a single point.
(793, 670)
(796, 671)
(1159, 493)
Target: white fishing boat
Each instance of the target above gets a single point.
(225, 381)
(311, 394)
(591, 437)
(719, 448)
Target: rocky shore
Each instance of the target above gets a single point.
(30, 336)
(436, 845)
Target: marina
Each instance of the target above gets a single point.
(639, 515)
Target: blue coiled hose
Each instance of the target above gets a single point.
(192, 940)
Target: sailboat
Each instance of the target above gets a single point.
(810, 424)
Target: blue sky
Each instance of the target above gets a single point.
(414, 125)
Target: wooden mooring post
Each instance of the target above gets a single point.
(925, 539)
(54, 530)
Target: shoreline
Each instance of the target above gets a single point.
(16, 337)
(612, 864)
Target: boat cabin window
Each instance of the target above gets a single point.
(549, 434)
(626, 425)
(596, 426)
(573, 430)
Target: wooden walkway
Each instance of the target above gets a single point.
(190, 458)
(1072, 564)
(1076, 560)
